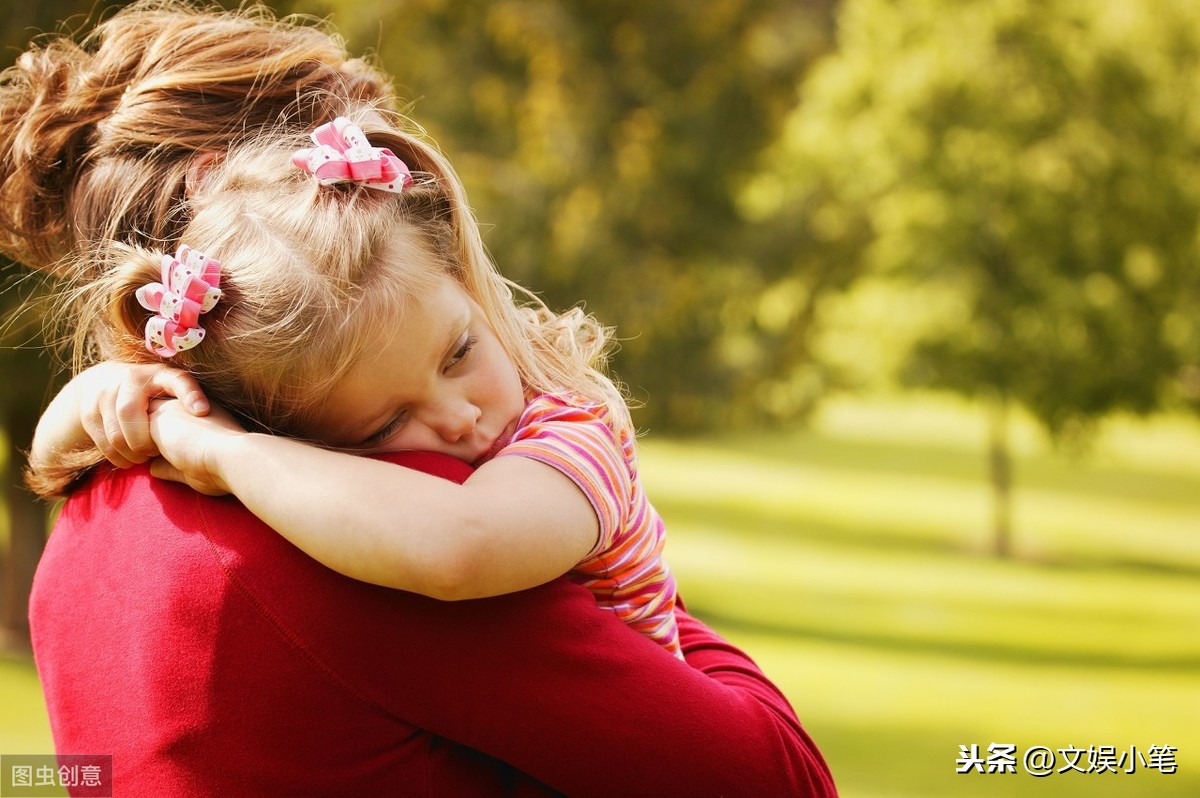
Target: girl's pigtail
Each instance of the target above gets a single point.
(103, 318)
(109, 307)
(56, 480)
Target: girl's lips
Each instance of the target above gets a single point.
(501, 441)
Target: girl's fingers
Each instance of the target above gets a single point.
(96, 428)
(132, 423)
(182, 386)
(132, 406)
(162, 468)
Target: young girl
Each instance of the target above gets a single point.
(344, 297)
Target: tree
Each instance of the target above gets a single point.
(22, 396)
(1038, 160)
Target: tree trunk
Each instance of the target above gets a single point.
(27, 535)
(1000, 467)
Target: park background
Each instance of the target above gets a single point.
(907, 293)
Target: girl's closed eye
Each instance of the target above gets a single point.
(465, 344)
(387, 431)
(460, 354)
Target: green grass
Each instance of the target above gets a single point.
(851, 560)
(24, 728)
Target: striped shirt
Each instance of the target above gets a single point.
(625, 570)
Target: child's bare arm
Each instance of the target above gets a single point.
(514, 524)
(108, 405)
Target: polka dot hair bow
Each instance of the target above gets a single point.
(343, 155)
(190, 286)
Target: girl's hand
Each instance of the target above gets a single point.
(188, 445)
(114, 406)
(108, 406)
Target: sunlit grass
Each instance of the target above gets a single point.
(852, 561)
(24, 728)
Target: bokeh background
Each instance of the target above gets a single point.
(908, 300)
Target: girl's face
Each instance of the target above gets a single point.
(440, 381)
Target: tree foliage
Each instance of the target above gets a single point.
(1039, 160)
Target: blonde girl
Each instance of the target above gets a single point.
(366, 316)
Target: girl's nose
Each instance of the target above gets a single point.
(453, 421)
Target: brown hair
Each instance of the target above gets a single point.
(96, 137)
(309, 271)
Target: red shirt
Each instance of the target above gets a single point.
(210, 657)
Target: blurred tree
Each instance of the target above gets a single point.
(1039, 158)
(23, 393)
(604, 143)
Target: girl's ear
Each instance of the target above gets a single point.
(198, 169)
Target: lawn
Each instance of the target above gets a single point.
(851, 560)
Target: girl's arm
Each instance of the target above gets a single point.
(106, 406)
(514, 524)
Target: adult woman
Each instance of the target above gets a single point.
(208, 656)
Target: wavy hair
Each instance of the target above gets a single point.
(97, 136)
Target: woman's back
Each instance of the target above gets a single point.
(208, 656)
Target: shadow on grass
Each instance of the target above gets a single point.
(964, 649)
(792, 524)
(949, 460)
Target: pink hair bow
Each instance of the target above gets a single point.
(343, 154)
(190, 286)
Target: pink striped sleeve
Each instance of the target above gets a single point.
(576, 440)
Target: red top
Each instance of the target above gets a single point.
(209, 656)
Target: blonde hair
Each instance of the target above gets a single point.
(309, 272)
(96, 138)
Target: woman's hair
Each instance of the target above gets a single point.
(310, 272)
(97, 137)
